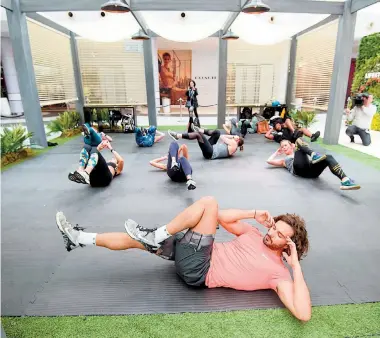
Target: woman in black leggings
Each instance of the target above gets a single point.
(178, 167)
(94, 169)
(211, 148)
(298, 163)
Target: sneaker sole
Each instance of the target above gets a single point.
(173, 138)
(80, 178)
(353, 187)
(61, 229)
(73, 178)
(319, 160)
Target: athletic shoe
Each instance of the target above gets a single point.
(316, 157)
(72, 177)
(195, 128)
(175, 166)
(173, 135)
(191, 185)
(349, 185)
(315, 136)
(86, 130)
(83, 176)
(142, 235)
(69, 233)
(352, 139)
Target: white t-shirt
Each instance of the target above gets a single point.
(362, 116)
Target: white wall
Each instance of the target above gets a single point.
(278, 55)
(204, 64)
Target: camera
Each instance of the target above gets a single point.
(358, 100)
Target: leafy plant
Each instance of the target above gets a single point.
(303, 118)
(67, 123)
(375, 125)
(12, 139)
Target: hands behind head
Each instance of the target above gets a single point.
(291, 256)
(264, 218)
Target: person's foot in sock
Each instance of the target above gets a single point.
(316, 157)
(315, 136)
(349, 184)
(191, 185)
(173, 135)
(147, 237)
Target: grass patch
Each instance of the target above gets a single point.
(36, 152)
(327, 321)
(352, 153)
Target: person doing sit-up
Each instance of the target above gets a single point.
(178, 167)
(286, 131)
(211, 148)
(92, 137)
(94, 169)
(251, 261)
(148, 137)
(298, 163)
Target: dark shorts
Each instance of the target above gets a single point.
(191, 252)
(101, 175)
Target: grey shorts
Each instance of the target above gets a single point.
(191, 252)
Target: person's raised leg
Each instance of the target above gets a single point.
(214, 136)
(173, 156)
(304, 147)
(308, 133)
(200, 217)
(75, 237)
(188, 171)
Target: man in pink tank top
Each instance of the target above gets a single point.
(249, 262)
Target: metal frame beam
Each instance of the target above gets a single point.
(41, 19)
(341, 70)
(77, 76)
(18, 33)
(222, 80)
(140, 20)
(357, 5)
(7, 4)
(317, 25)
(292, 70)
(288, 6)
(149, 81)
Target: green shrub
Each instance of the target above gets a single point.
(375, 125)
(12, 139)
(303, 118)
(67, 123)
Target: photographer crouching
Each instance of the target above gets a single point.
(361, 116)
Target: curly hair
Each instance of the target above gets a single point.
(300, 233)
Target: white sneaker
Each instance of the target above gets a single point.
(69, 234)
(191, 185)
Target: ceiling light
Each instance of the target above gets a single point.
(140, 35)
(230, 36)
(116, 6)
(255, 7)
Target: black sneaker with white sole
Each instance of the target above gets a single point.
(315, 136)
(191, 185)
(173, 135)
(145, 236)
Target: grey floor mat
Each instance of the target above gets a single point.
(40, 278)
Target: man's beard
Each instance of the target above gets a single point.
(269, 243)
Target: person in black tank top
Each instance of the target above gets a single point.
(94, 169)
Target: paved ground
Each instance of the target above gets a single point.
(40, 278)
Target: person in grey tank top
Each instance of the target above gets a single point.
(302, 161)
(216, 146)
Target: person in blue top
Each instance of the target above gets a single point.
(147, 137)
(92, 137)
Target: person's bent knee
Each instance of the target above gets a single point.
(366, 143)
(209, 200)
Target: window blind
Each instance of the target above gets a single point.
(314, 66)
(112, 72)
(52, 63)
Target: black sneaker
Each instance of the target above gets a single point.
(191, 185)
(145, 236)
(315, 136)
(352, 139)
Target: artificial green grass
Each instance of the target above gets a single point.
(353, 154)
(327, 321)
(37, 152)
